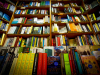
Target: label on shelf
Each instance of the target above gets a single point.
(22, 7)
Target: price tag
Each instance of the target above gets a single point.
(22, 7)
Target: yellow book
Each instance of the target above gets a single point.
(8, 6)
(2, 39)
(93, 40)
(82, 41)
(13, 66)
(79, 28)
(30, 67)
(63, 39)
(30, 29)
(41, 43)
(0, 23)
(89, 27)
(97, 27)
(26, 29)
(22, 43)
(72, 42)
(94, 16)
(35, 42)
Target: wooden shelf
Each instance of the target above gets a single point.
(6, 11)
(30, 15)
(73, 34)
(33, 7)
(28, 35)
(38, 25)
(78, 7)
(95, 21)
(5, 21)
(60, 24)
(65, 14)
(2, 32)
(97, 32)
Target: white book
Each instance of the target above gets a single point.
(46, 18)
(28, 30)
(56, 40)
(40, 21)
(20, 19)
(27, 42)
(45, 41)
(48, 29)
(38, 4)
(95, 39)
(14, 42)
(84, 28)
(43, 29)
(23, 12)
(23, 30)
(6, 28)
(35, 20)
(79, 41)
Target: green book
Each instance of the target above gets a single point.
(20, 49)
(49, 52)
(32, 41)
(36, 41)
(67, 64)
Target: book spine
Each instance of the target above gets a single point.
(39, 68)
(44, 66)
(67, 64)
(34, 72)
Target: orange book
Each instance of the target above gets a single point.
(73, 19)
(25, 20)
(72, 27)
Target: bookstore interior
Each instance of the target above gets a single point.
(49, 37)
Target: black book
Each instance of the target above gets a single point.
(34, 72)
(87, 28)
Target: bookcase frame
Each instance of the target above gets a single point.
(69, 35)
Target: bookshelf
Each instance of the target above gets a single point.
(69, 34)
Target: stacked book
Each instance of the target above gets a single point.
(61, 40)
(27, 42)
(4, 16)
(8, 6)
(3, 26)
(13, 30)
(31, 11)
(34, 20)
(58, 60)
(37, 4)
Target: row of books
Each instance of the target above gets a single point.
(96, 27)
(3, 26)
(34, 20)
(61, 40)
(27, 42)
(31, 11)
(75, 60)
(68, 18)
(2, 37)
(71, 27)
(91, 6)
(29, 30)
(68, 10)
(4, 16)
(63, 4)
(38, 4)
(7, 6)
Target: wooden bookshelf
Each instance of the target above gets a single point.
(5, 21)
(68, 34)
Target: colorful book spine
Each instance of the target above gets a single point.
(67, 64)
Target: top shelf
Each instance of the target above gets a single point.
(33, 7)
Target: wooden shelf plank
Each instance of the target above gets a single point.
(28, 35)
(33, 7)
(38, 25)
(73, 34)
(66, 7)
(2, 32)
(30, 15)
(95, 21)
(5, 21)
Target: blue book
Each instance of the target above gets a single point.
(43, 42)
(90, 40)
(66, 41)
(1, 13)
(30, 3)
(14, 22)
(33, 41)
(68, 18)
(5, 16)
(80, 40)
(31, 11)
(78, 63)
(4, 26)
(75, 61)
(19, 12)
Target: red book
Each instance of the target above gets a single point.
(44, 65)
(52, 42)
(16, 42)
(87, 40)
(74, 69)
(58, 39)
(39, 68)
(71, 65)
(25, 20)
